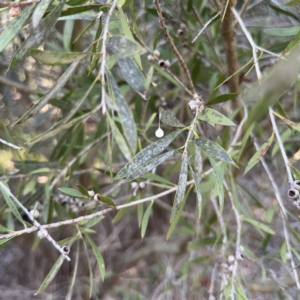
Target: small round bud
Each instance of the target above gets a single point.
(231, 268)
(91, 193)
(180, 32)
(150, 58)
(142, 185)
(242, 248)
(161, 63)
(156, 53)
(65, 249)
(182, 26)
(96, 197)
(296, 185)
(293, 194)
(231, 259)
(193, 106)
(81, 204)
(35, 213)
(41, 234)
(134, 184)
(159, 133)
(239, 256)
(167, 64)
(15, 11)
(288, 256)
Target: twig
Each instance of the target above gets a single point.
(34, 221)
(18, 86)
(10, 145)
(71, 162)
(238, 238)
(282, 211)
(169, 39)
(283, 153)
(103, 56)
(18, 4)
(205, 26)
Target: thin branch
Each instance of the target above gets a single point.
(206, 25)
(283, 214)
(34, 221)
(175, 50)
(10, 145)
(283, 153)
(18, 86)
(103, 56)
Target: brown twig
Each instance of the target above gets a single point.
(18, 4)
(18, 86)
(175, 50)
(228, 34)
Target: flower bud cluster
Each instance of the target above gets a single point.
(294, 194)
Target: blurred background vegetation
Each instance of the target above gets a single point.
(232, 235)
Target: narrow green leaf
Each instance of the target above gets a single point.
(146, 219)
(56, 58)
(140, 213)
(129, 35)
(12, 206)
(283, 252)
(198, 192)
(71, 192)
(282, 31)
(98, 256)
(213, 116)
(259, 154)
(125, 114)
(149, 77)
(288, 122)
(221, 98)
(157, 178)
(82, 8)
(83, 190)
(106, 200)
(150, 165)
(133, 75)
(213, 149)
(293, 43)
(167, 118)
(4, 229)
(240, 293)
(147, 154)
(259, 225)
(179, 196)
(245, 139)
(219, 182)
(122, 46)
(39, 12)
(91, 223)
(119, 139)
(51, 274)
(38, 35)
(14, 27)
(90, 269)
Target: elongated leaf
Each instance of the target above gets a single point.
(293, 43)
(149, 77)
(218, 183)
(198, 192)
(83, 190)
(288, 122)
(106, 200)
(119, 139)
(283, 252)
(14, 27)
(259, 225)
(56, 58)
(4, 229)
(132, 74)
(98, 256)
(51, 274)
(38, 35)
(122, 46)
(147, 154)
(125, 114)
(213, 149)
(179, 196)
(221, 98)
(213, 116)
(150, 165)
(282, 31)
(39, 12)
(157, 178)
(11, 204)
(82, 8)
(167, 118)
(259, 153)
(245, 139)
(71, 192)
(146, 219)
(50, 94)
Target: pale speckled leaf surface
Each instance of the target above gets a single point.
(179, 196)
(147, 154)
(122, 46)
(213, 149)
(167, 118)
(39, 12)
(213, 116)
